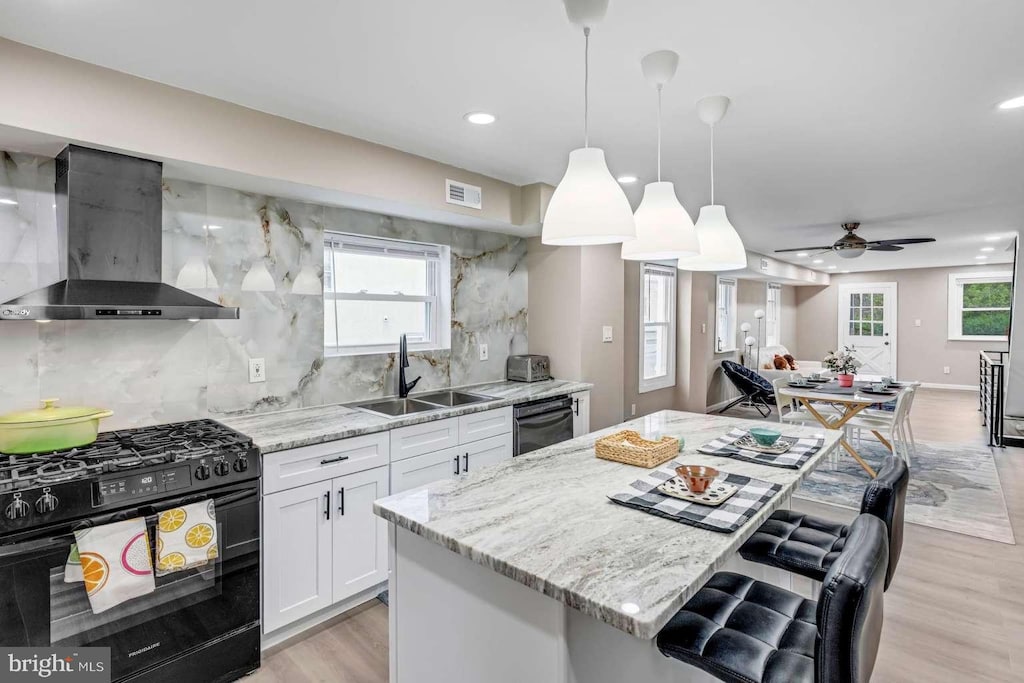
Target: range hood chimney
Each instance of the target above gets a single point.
(109, 229)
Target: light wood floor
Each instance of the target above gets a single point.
(955, 611)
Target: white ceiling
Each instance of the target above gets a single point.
(877, 111)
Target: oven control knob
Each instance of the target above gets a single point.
(241, 464)
(46, 503)
(222, 469)
(17, 509)
(203, 472)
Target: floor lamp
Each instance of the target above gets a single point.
(759, 314)
(748, 342)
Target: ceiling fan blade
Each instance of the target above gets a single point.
(908, 240)
(782, 251)
(885, 247)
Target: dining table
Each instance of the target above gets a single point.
(848, 402)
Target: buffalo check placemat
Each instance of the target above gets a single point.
(794, 458)
(725, 518)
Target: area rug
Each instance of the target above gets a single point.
(954, 487)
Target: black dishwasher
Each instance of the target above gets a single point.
(541, 423)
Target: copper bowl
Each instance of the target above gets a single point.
(697, 477)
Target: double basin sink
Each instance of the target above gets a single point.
(437, 400)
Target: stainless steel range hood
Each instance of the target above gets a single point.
(109, 228)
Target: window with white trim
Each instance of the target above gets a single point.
(979, 306)
(773, 315)
(725, 315)
(377, 289)
(658, 326)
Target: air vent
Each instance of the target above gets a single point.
(463, 195)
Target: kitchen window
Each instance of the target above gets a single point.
(979, 306)
(725, 315)
(658, 326)
(773, 315)
(377, 289)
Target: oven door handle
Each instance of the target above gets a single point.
(38, 544)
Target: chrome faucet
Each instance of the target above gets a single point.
(403, 363)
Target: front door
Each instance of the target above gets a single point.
(867, 322)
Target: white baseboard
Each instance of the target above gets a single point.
(290, 631)
(951, 387)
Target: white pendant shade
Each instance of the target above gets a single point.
(588, 206)
(307, 282)
(196, 274)
(258, 279)
(664, 230)
(720, 245)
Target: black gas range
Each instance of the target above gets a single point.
(199, 624)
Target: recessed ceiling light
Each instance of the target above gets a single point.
(627, 179)
(803, 253)
(993, 238)
(981, 257)
(480, 118)
(987, 249)
(11, 202)
(213, 227)
(1014, 103)
(831, 267)
(818, 260)
(844, 271)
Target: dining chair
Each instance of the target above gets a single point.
(893, 426)
(796, 414)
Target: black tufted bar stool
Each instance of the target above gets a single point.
(808, 545)
(745, 631)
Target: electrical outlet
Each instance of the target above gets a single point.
(606, 333)
(632, 409)
(703, 328)
(483, 352)
(945, 370)
(257, 370)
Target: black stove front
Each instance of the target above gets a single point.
(199, 624)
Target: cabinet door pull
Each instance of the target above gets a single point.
(465, 463)
(328, 461)
(576, 407)
(327, 504)
(456, 464)
(341, 501)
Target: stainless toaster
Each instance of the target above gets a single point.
(527, 368)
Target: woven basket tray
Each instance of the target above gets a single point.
(632, 449)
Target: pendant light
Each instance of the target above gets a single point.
(664, 230)
(588, 206)
(721, 248)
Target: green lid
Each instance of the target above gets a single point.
(50, 412)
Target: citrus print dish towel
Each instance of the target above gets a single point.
(114, 561)
(186, 537)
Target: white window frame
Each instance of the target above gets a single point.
(956, 303)
(773, 314)
(667, 268)
(438, 295)
(725, 315)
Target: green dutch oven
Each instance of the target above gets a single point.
(49, 428)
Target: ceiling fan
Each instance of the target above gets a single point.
(851, 245)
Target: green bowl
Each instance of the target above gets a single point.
(765, 436)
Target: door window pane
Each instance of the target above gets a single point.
(854, 314)
(878, 330)
(878, 299)
(855, 299)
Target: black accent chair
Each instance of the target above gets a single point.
(757, 392)
(745, 631)
(808, 545)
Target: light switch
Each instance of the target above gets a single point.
(606, 333)
(917, 322)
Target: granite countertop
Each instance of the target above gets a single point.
(286, 429)
(543, 519)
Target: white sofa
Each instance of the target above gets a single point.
(768, 371)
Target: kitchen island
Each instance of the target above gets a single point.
(525, 571)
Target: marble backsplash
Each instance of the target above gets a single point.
(150, 372)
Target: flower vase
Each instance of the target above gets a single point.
(845, 380)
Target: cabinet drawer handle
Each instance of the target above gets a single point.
(327, 504)
(456, 464)
(341, 501)
(465, 463)
(328, 461)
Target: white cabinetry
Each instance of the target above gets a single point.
(580, 413)
(322, 542)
